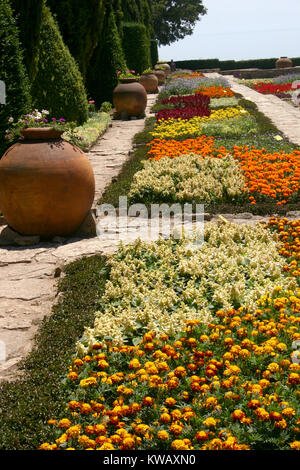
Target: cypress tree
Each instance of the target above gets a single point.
(80, 23)
(107, 60)
(28, 14)
(136, 45)
(12, 72)
(58, 85)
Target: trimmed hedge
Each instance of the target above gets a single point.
(12, 72)
(107, 60)
(58, 85)
(154, 52)
(230, 64)
(136, 45)
(198, 64)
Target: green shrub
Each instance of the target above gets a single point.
(106, 107)
(12, 72)
(136, 45)
(58, 85)
(107, 60)
(86, 136)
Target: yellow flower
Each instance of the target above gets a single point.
(64, 423)
(210, 423)
(162, 435)
(84, 383)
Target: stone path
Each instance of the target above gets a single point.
(27, 274)
(285, 117)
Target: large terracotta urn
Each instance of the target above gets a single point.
(47, 185)
(283, 63)
(149, 82)
(130, 98)
(161, 76)
(165, 66)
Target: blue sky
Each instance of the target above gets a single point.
(237, 29)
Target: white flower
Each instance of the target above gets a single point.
(11, 119)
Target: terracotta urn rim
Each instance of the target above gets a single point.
(41, 133)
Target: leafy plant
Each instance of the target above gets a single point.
(106, 107)
(35, 119)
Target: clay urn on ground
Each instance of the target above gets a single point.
(165, 66)
(283, 63)
(130, 99)
(47, 185)
(149, 82)
(161, 76)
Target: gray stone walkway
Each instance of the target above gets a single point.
(285, 117)
(27, 274)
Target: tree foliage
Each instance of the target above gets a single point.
(175, 19)
(107, 60)
(58, 85)
(136, 45)
(80, 24)
(12, 71)
(28, 14)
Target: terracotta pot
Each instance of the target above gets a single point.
(47, 185)
(130, 99)
(149, 82)
(283, 63)
(165, 66)
(161, 76)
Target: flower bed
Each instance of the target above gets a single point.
(188, 112)
(268, 177)
(283, 87)
(272, 89)
(228, 121)
(216, 92)
(190, 178)
(158, 285)
(275, 176)
(186, 86)
(229, 384)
